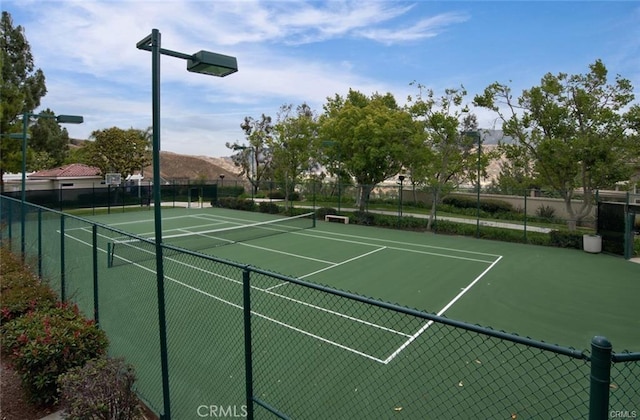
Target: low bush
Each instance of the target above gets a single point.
(323, 211)
(546, 212)
(565, 239)
(235, 203)
(46, 343)
(21, 291)
(233, 191)
(276, 195)
(489, 206)
(268, 207)
(101, 389)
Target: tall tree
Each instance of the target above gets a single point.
(293, 145)
(119, 151)
(574, 129)
(446, 154)
(49, 140)
(371, 134)
(254, 159)
(21, 88)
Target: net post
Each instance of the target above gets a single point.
(110, 254)
(600, 378)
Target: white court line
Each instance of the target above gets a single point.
(330, 267)
(151, 220)
(341, 315)
(395, 242)
(284, 253)
(436, 254)
(397, 351)
(291, 327)
(442, 311)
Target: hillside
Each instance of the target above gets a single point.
(174, 166)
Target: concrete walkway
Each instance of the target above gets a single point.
(465, 220)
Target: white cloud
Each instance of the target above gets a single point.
(288, 52)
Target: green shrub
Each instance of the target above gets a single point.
(546, 212)
(101, 389)
(25, 293)
(21, 291)
(363, 218)
(46, 343)
(235, 203)
(489, 206)
(323, 211)
(565, 239)
(234, 191)
(276, 195)
(268, 207)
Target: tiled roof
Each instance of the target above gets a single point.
(74, 170)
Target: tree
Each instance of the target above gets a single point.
(372, 136)
(293, 145)
(119, 151)
(21, 88)
(445, 156)
(49, 140)
(574, 130)
(253, 159)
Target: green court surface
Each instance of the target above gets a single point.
(562, 296)
(320, 355)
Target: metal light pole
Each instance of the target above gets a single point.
(26, 117)
(204, 62)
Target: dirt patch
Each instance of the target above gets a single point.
(13, 401)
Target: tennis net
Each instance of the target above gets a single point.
(137, 249)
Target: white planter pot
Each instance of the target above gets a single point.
(592, 243)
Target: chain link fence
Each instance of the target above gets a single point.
(223, 339)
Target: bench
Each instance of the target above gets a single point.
(336, 218)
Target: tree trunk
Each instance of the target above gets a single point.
(432, 213)
(363, 199)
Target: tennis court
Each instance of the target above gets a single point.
(555, 295)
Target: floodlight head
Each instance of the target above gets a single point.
(401, 178)
(70, 119)
(213, 64)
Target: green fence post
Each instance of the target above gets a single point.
(62, 268)
(525, 215)
(9, 224)
(248, 363)
(39, 242)
(600, 378)
(96, 315)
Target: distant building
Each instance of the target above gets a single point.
(75, 175)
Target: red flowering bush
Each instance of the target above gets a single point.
(20, 290)
(46, 343)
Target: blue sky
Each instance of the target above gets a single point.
(297, 51)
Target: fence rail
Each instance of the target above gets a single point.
(314, 352)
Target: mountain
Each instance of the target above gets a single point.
(174, 166)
